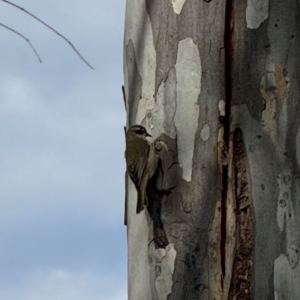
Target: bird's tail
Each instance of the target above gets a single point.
(141, 200)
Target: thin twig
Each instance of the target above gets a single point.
(23, 37)
(51, 28)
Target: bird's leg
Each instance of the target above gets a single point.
(159, 238)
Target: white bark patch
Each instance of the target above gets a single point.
(205, 132)
(188, 73)
(287, 216)
(145, 105)
(222, 108)
(161, 119)
(138, 29)
(162, 261)
(137, 253)
(177, 5)
(286, 279)
(256, 12)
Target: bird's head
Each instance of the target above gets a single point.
(139, 130)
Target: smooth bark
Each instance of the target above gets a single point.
(217, 84)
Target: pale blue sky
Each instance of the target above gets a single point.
(62, 153)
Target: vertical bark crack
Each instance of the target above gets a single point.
(242, 272)
(228, 43)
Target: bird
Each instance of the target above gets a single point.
(141, 161)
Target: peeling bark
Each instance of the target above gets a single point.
(242, 271)
(217, 83)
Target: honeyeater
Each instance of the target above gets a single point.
(141, 160)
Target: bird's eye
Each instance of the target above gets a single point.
(140, 130)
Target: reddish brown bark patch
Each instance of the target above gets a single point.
(243, 266)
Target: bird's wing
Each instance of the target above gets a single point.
(136, 171)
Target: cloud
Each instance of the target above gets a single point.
(61, 284)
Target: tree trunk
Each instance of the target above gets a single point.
(217, 83)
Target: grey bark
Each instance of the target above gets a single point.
(217, 84)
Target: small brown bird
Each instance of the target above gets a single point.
(141, 161)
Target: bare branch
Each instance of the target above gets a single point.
(49, 27)
(124, 97)
(23, 37)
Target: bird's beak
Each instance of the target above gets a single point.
(147, 134)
